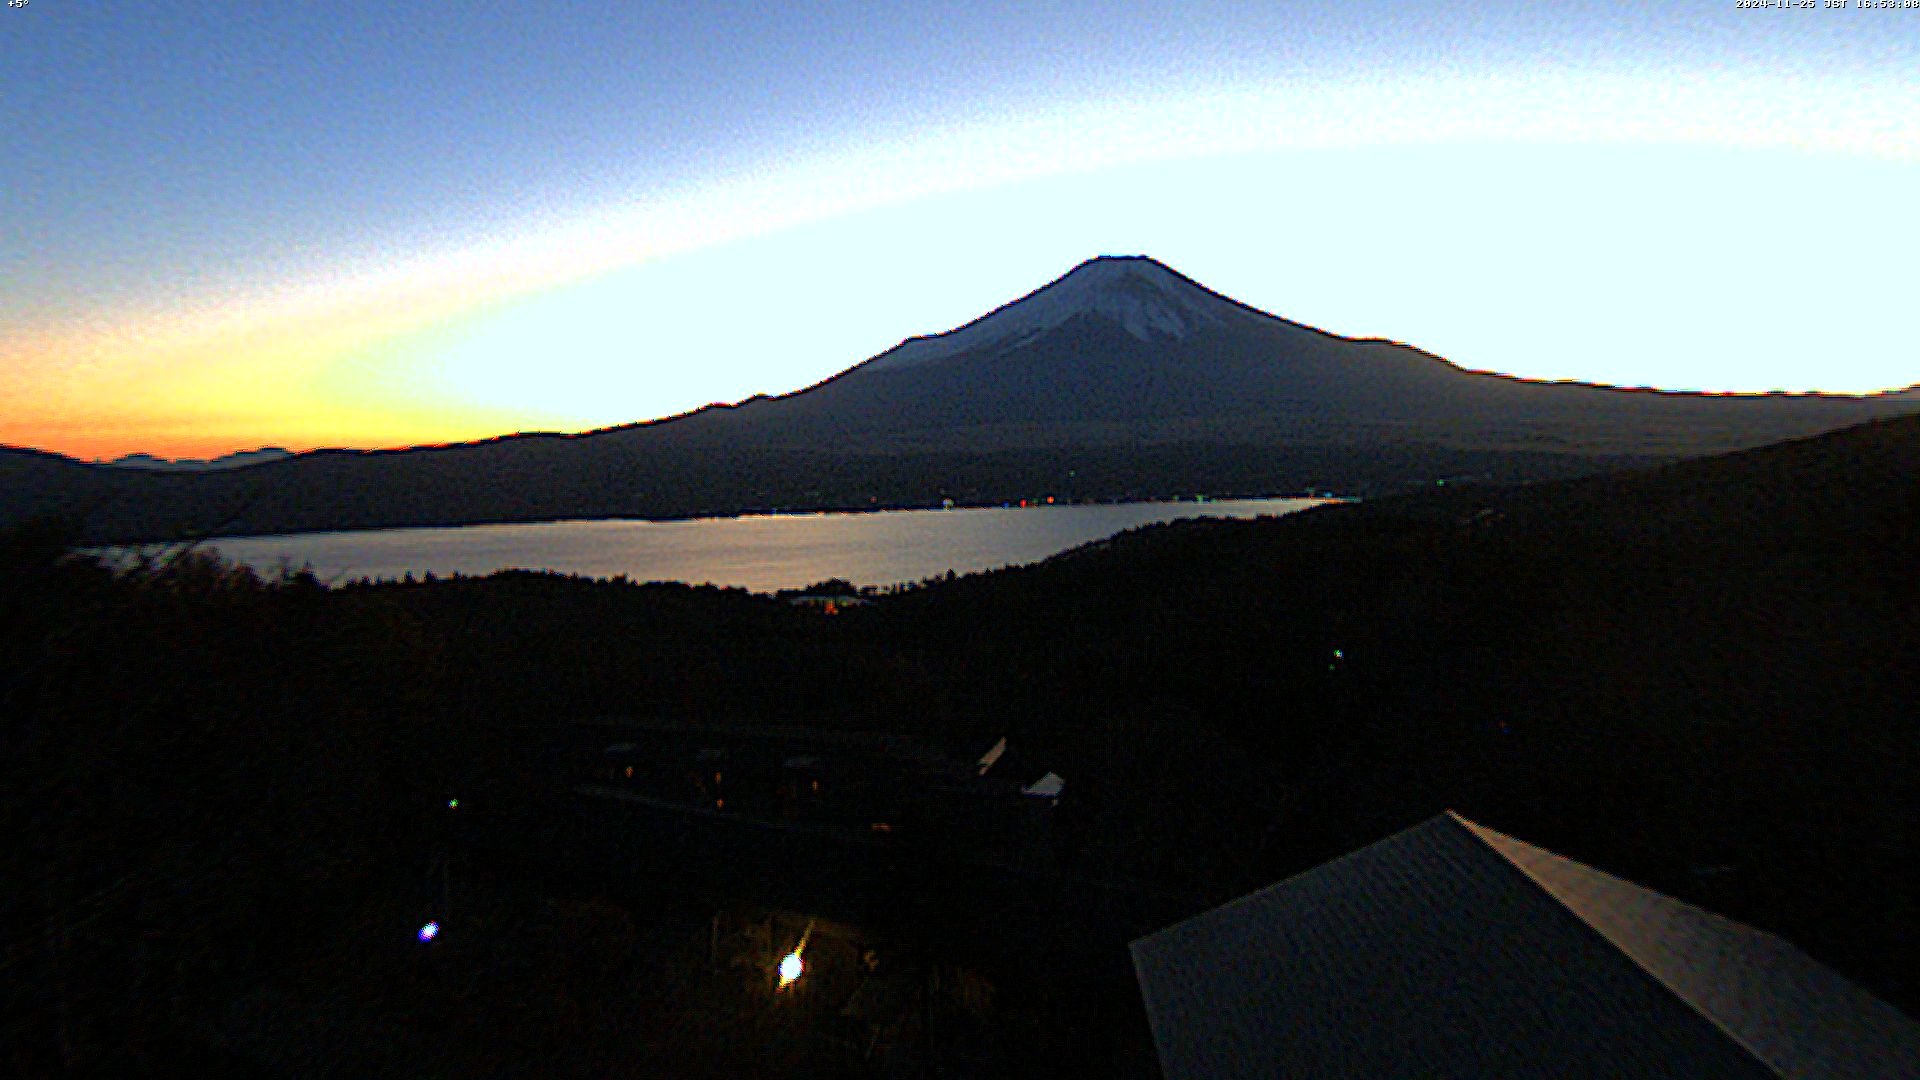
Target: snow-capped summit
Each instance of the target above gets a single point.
(1141, 296)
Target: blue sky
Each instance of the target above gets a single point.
(380, 223)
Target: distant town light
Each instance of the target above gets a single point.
(430, 931)
(790, 968)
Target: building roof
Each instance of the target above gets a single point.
(1047, 787)
(1451, 950)
(1013, 764)
(992, 755)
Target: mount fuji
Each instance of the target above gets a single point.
(1126, 351)
(1121, 379)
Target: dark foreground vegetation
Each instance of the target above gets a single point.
(224, 801)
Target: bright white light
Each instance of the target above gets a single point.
(430, 931)
(790, 968)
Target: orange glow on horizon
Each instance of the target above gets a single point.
(302, 374)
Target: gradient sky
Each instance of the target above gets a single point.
(229, 225)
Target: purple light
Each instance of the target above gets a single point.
(430, 931)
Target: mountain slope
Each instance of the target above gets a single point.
(1699, 674)
(1125, 350)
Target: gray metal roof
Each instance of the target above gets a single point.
(1450, 950)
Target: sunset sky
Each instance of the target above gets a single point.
(230, 225)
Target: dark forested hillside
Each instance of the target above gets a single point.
(539, 480)
(222, 795)
(1700, 677)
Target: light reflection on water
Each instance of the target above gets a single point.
(762, 553)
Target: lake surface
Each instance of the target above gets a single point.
(762, 553)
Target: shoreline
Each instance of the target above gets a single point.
(740, 515)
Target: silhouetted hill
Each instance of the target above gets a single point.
(1122, 379)
(225, 461)
(1698, 676)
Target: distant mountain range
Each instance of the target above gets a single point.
(1122, 379)
(225, 461)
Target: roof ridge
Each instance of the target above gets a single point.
(1480, 834)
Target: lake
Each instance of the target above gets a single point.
(762, 552)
